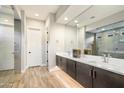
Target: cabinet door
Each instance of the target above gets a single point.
(61, 63)
(71, 68)
(57, 60)
(64, 65)
(106, 79)
(84, 74)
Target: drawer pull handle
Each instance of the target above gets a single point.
(94, 74)
(90, 73)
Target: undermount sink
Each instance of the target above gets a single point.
(91, 59)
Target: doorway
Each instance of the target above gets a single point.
(34, 47)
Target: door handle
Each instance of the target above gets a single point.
(94, 74)
(29, 52)
(91, 73)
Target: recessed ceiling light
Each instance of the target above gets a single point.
(102, 29)
(77, 24)
(6, 20)
(75, 21)
(65, 18)
(36, 14)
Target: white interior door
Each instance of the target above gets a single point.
(6, 47)
(34, 52)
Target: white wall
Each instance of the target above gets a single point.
(81, 38)
(59, 30)
(35, 23)
(59, 38)
(70, 38)
(23, 42)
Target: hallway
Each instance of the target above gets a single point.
(37, 77)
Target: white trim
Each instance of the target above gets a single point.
(22, 71)
(7, 24)
(36, 28)
(43, 65)
(54, 69)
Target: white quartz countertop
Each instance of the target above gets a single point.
(114, 64)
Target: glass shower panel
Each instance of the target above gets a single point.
(6, 46)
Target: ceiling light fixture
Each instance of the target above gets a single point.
(75, 21)
(65, 18)
(102, 29)
(36, 14)
(77, 24)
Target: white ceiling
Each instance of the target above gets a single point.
(99, 11)
(42, 10)
(71, 12)
(6, 15)
(83, 13)
(6, 9)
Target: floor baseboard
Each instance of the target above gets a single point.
(54, 69)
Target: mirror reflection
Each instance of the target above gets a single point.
(106, 40)
(99, 36)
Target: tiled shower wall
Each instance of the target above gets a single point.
(45, 47)
(112, 42)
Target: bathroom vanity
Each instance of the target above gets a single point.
(91, 71)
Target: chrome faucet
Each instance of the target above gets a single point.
(106, 59)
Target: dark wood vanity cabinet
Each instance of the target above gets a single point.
(71, 68)
(58, 61)
(84, 74)
(61, 63)
(64, 64)
(106, 79)
(89, 76)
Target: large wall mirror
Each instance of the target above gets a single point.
(100, 32)
(106, 40)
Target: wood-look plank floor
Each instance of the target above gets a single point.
(37, 77)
